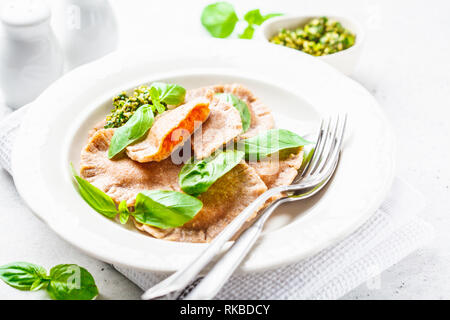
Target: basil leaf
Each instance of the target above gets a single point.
(165, 209)
(248, 32)
(172, 94)
(24, 276)
(196, 178)
(271, 15)
(242, 107)
(96, 198)
(254, 17)
(71, 282)
(134, 129)
(269, 142)
(219, 19)
(124, 213)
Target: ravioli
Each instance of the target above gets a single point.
(223, 202)
(223, 125)
(211, 123)
(123, 179)
(279, 169)
(262, 118)
(170, 130)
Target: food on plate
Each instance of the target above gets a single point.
(123, 178)
(279, 169)
(159, 95)
(172, 129)
(320, 36)
(150, 169)
(223, 201)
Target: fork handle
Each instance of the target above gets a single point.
(180, 279)
(211, 284)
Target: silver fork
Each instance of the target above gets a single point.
(311, 178)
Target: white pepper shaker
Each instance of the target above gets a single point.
(87, 30)
(30, 57)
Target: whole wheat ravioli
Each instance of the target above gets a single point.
(279, 169)
(123, 178)
(224, 124)
(223, 202)
(170, 130)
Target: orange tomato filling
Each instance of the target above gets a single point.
(182, 132)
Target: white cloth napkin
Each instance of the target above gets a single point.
(393, 232)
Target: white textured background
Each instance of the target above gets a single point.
(405, 65)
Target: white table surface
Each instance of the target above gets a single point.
(405, 65)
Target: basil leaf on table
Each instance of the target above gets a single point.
(254, 17)
(269, 142)
(196, 178)
(241, 106)
(165, 209)
(71, 282)
(247, 33)
(219, 19)
(96, 198)
(24, 276)
(134, 129)
(124, 213)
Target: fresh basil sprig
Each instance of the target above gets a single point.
(196, 177)
(219, 19)
(255, 18)
(241, 106)
(23, 276)
(133, 130)
(65, 282)
(96, 198)
(124, 213)
(167, 93)
(165, 209)
(162, 209)
(269, 142)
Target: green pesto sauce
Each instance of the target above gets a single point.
(125, 106)
(320, 36)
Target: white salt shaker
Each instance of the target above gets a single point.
(30, 58)
(87, 30)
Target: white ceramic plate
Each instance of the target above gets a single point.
(298, 88)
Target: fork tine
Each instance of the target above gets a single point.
(323, 133)
(334, 155)
(318, 140)
(319, 151)
(331, 144)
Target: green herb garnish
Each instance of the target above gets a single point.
(196, 177)
(158, 96)
(219, 19)
(165, 209)
(135, 128)
(96, 198)
(167, 93)
(65, 282)
(269, 142)
(158, 208)
(255, 18)
(320, 36)
(242, 107)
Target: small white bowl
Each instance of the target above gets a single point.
(344, 61)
